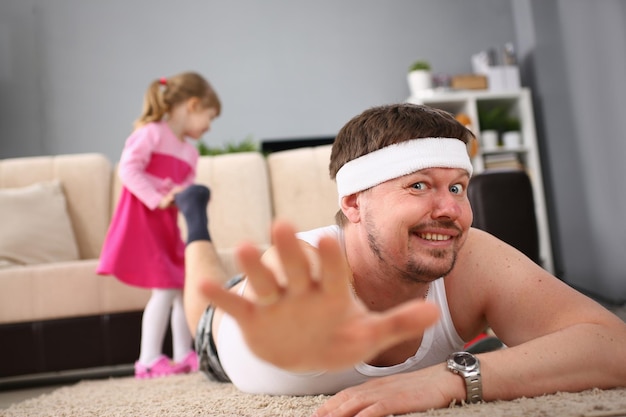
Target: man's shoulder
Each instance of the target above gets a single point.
(479, 258)
(485, 258)
(313, 236)
(478, 241)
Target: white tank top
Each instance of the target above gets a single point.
(253, 375)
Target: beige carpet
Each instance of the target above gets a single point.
(194, 395)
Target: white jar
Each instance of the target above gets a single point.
(512, 139)
(489, 139)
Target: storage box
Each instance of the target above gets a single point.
(469, 82)
(503, 77)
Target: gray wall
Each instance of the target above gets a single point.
(73, 72)
(574, 56)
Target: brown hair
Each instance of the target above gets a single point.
(165, 93)
(382, 126)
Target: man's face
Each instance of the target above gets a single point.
(417, 223)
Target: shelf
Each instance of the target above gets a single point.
(460, 95)
(521, 149)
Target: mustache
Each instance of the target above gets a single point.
(437, 224)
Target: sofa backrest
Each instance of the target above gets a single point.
(248, 190)
(302, 191)
(240, 207)
(86, 181)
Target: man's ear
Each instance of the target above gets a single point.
(350, 207)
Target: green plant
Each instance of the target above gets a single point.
(492, 119)
(512, 124)
(420, 65)
(247, 145)
(498, 118)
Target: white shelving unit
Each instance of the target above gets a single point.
(520, 105)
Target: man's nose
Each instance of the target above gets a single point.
(446, 204)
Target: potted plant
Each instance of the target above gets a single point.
(247, 145)
(491, 123)
(512, 135)
(419, 77)
(499, 123)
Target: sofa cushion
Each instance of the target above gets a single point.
(302, 191)
(86, 180)
(35, 226)
(64, 289)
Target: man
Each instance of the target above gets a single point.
(373, 309)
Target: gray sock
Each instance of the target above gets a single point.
(192, 203)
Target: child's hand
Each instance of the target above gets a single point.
(168, 199)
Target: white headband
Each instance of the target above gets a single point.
(400, 159)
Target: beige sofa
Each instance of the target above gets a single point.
(56, 314)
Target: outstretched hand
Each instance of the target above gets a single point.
(304, 316)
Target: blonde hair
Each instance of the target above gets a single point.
(165, 93)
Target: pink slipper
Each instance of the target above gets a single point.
(163, 366)
(190, 361)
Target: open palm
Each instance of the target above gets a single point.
(312, 321)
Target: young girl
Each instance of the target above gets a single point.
(143, 246)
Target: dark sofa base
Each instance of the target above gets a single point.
(53, 347)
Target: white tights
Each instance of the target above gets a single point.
(154, 326)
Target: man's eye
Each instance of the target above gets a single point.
(419, 186)
(456, 189)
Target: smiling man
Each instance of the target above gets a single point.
(377, 308)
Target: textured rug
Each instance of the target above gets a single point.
(194, 395)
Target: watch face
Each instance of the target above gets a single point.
(465, 359)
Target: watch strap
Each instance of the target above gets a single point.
(474, 387)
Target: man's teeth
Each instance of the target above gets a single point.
(434, 236)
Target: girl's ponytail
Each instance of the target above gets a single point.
(154, 107)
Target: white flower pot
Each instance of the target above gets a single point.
(419, 82)
(489, 139)
(512, 139)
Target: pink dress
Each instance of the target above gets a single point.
(143, 246)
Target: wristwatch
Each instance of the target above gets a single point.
(468, 366)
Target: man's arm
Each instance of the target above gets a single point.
(559, 339)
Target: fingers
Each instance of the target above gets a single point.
(177, 189)
(289, 259)
(335, 271)
(260, 277)
(232, 303)
(404, 322)
(166, 202)
(295, 264)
